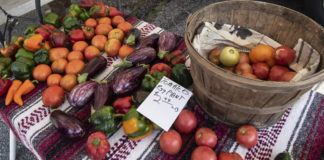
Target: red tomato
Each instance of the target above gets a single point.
(203, 153)
(247, 136)
(229, 156)
(186, 122)
(206, 137)
(170, 142)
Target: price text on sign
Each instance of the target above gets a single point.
(165, 103)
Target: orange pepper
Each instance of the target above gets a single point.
(47, 45)
(19, 41)
(33, 43)
(12, 90)
(24, 89)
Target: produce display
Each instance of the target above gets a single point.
(262, 62)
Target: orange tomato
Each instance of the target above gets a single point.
(91, 52)
(103, 29)
(91, 22)
(117, 20)
(68, 82)
(125, 26)
(75, 55)
(57, 53)
(116, 34)
(79, 46)
(262, 53)
(112, 47)
(53, 79)
(74, 67)
(59, 65)
(104, 20)
(41, 72)
(99, 41)
(125, 50)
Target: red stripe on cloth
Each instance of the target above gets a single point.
(317, 144)
(310, 134)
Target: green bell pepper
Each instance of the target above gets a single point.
(30, 30)
(29, 62)
(24, 53)
(84, 15)
(42, 56)
(71, 23)
(21, 70)
(103, 119)
(5, 66)
(151, 80)
(6, 60)
(2, 67)
(181, 75)
(135, 125)
(75, 10)
(53, 19)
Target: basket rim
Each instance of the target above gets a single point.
(239, 80)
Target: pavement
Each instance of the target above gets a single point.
(168, 14)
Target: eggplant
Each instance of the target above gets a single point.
(148, 41)
(128, 80)
(133, 37)
(68, 125)
(82, 93)
(167, 42)
(140, 56)
(103, 95)
(94, 66)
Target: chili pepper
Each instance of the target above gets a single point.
(98, 11)
(24, 89)
(88, 32)
(24, 53)
(17, 40)
(178, 59)
(21, 70)
(135, 125)
(122, 105)
(4, 85)
(42, 56)
(160, 67)
(76, 35)
(84, 15)
(45, 30)
(33, 43)
(12, 90)
(75, 10)
(103, 119)
(181, 75)
(9, 51)
(71, 23)
(97, 146)
(175, 57)
(52, 19)
(30, 30)
(151, 80)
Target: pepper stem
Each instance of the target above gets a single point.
(34, 81)
(96, 142)
(4, 77)
(118, 115)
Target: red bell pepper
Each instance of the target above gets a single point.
(58, 39)
(45, 30)
(160, 67)
(86, 4)
(97, 146)
(4, 85)
(113, 12)
(76, 35)
(98, 10)
(88, 32)
(122, 105)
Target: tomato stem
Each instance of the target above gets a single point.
(243, 131)
(96, 142)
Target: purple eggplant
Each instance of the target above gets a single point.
(141, 56)
(82, 93)
(148, 41)
(132, 37)
(167, 42)
(103, 95)
(68, 125)
(94, 66)
(128, 80)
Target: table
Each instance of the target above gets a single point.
(300, 130)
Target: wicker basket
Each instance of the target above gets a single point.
(236, 100)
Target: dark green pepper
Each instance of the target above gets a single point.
(71, 23)
(29, 62)
(30, 30)
(21, 70)
(181, 75)
(103, 119)
(42, 56)
(2, 67)
(53, 19)
(75, 10)
(24, 53)
(135, 125)
(151, 80)
(84, 15)
(6, 60)
(5, 66)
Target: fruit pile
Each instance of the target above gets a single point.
(263, 62)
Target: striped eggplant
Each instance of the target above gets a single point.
(103, 95)
(140, 56)
(128, 80)
(148, 41)
(94, 66)
(82, 93)
(167, 42)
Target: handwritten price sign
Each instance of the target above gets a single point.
(165, 103)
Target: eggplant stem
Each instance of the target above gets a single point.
(162, 54)
(82, 77)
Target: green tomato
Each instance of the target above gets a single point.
(229, 56)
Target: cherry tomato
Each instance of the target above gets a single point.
(247, 136)
(206, 137)
(203, 153)
(229, 156)
(170, 142)
(186, 122)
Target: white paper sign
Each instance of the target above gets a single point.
(165, 103)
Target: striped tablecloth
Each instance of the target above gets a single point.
(300, 130)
